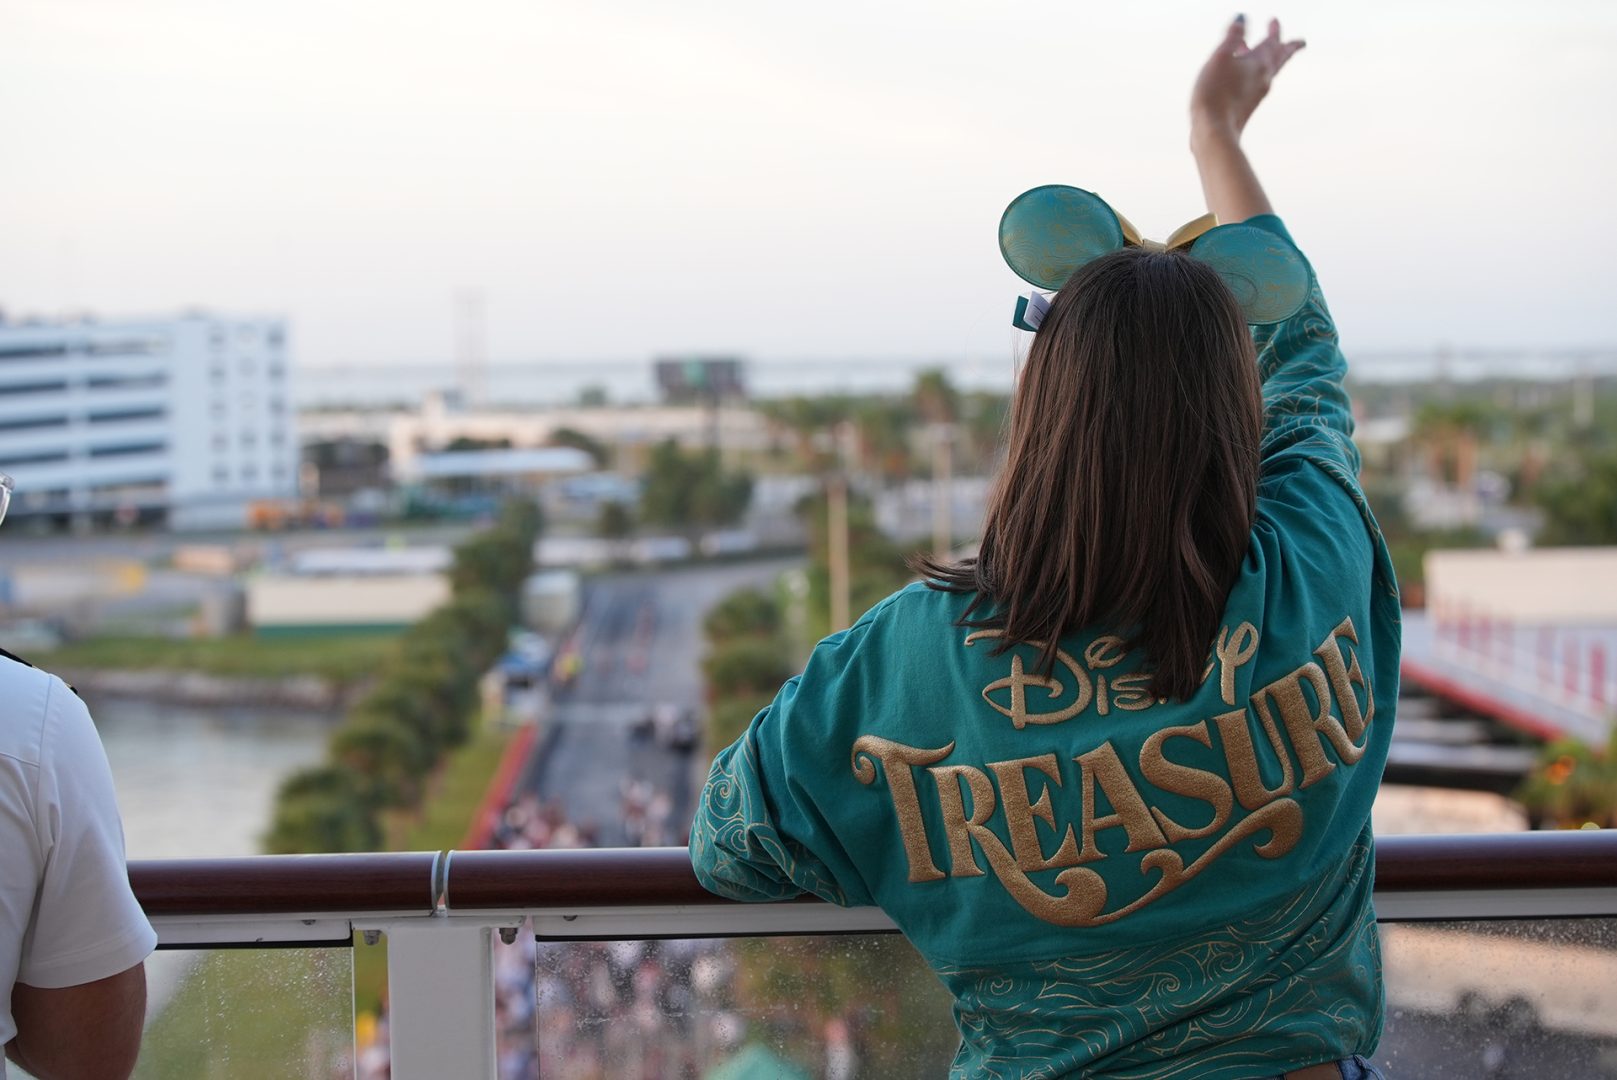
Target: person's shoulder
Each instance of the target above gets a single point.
(892, 621)
(31, 696)
(917, 601)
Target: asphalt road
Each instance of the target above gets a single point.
(640, 637)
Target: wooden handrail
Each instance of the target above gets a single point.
(287, 884)
(1585, 858)
(662, 877)
(579, 877)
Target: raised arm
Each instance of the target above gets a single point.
(1306, 409)
(1231, 84)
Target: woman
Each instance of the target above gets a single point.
(1113, 777)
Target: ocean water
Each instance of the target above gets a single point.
(546, 382)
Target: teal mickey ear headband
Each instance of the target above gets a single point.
(1047, 233)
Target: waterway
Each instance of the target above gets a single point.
(200, 782)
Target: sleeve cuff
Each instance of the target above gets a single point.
(100, 961)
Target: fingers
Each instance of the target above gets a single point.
(1234, 43)
(1272, 51)
(1283, 51)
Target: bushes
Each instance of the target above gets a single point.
(321, 809)
(692, 492)
(729, 718)
(1574, 785)
(421, 706)
(748, 659)
(746, 668)
(744, 613)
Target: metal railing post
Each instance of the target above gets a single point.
(440, 985)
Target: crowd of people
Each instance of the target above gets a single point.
(631, 1009)
(595, 1009)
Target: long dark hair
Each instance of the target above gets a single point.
(1130, 485)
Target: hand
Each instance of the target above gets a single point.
(1235, 78)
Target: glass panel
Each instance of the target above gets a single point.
(789, 1007)
(1500, 999)
(1464, 1000)
(249, 1013)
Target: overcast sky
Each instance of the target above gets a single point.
(817, 180)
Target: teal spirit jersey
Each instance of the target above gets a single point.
(1112, 885)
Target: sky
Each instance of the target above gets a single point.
(778, 181)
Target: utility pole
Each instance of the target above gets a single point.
(942, 490)
(836, 513)
(836, 527)
(471, 360)
(1583, 397)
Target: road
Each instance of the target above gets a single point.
(640, 637)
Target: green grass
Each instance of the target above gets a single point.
(281, 1012)
(341, 657)
(253, 1013)
(456, 791)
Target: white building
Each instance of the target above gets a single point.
(188, 419)
(629, 430)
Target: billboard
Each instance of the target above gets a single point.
(695, 379)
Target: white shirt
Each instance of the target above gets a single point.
(67, 915)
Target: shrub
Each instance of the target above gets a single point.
(730, 717)
(322, 809)
(743, 613)
(745, 667)
(422, 704)
(389, 756)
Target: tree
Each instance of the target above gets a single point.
(746, 667)
(935, 396)
(1450, 434)
(745, 613)
(427, 700)
(578, 440)
(423, 703)
(468, 442)
(985, 421)
(694, 491)
(810, 421)
(884, 427)
(1580, 506)
(615, 521)
(387, 754)
(729, 718)
(322, 809)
